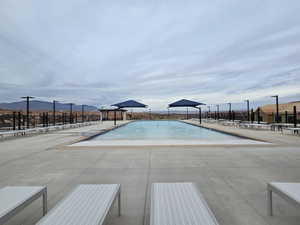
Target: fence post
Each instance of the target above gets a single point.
(23, 121)
(43, 119)
(295, 116)
(19, 120)
(14, 120)
(33, 119)
(47, 118)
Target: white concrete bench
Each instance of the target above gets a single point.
(14, 199)
(87, 204)
(179, 204)
(288, 191)
(294, 130)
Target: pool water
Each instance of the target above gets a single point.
(154, 130)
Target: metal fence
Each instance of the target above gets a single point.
(18, 120)
(256, 116)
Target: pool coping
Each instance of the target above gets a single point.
(215, 144)
(103, 131)
(225, 132)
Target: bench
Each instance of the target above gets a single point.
(14, 199)
(294, 130)
(288, 191)
(87, 204)
(179, 204)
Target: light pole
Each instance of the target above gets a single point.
(277, 108)
(27, 109)
(248, 110)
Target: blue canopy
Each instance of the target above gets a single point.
(185, 103)
(130, 104)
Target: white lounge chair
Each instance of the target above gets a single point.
(14, 199)
(288, 191)
(179, 204)
(87, 204)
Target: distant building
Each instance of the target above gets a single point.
(286, 110)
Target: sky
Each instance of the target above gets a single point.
(154, 51)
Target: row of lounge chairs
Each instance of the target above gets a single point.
(89, 204)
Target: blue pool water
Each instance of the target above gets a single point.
(144, 130)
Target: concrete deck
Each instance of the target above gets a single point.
(232, 179)
(167, 142)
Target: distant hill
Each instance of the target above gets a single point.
(42, 105)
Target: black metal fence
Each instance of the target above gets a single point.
(255, 116)
(18, 120)
(232, 115)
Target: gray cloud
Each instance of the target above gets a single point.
(101, 52)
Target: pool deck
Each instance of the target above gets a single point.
(232, 178)
(167, 142)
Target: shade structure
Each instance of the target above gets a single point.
(130, 104)
(187, 103)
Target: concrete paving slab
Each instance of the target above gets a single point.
(171, 142)
(231, 178)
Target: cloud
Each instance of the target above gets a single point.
(101, 52)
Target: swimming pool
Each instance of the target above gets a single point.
(163, 133)
(146, 130)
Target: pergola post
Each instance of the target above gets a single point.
(199, 115)
(187, 103)
(129, 104)
(187, 113)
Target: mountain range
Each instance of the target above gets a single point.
(43, 105)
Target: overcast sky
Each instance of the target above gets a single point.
(155, 51)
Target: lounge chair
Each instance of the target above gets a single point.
(288, 191)
(179, 204)
(14, 199)
(87, 204)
